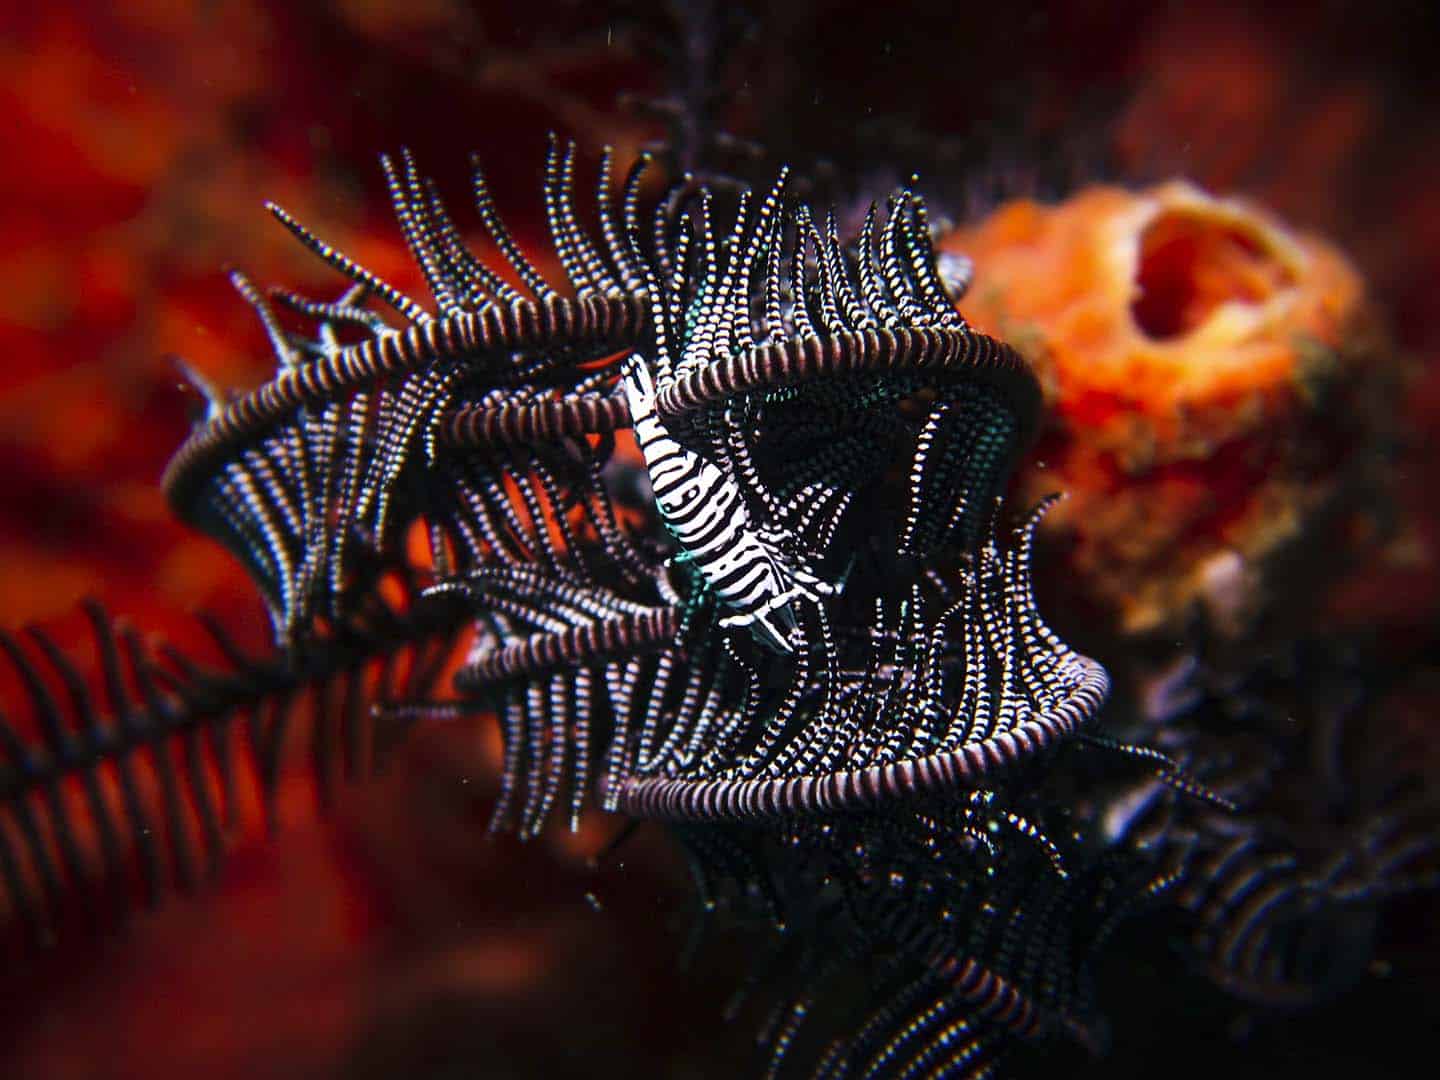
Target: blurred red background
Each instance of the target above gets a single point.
(139, 144)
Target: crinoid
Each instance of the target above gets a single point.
(811, 637)
(138, 789)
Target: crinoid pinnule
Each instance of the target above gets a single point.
(140, 788)
(560, 663)
(913, 705)
(972, 942)
(344, 445)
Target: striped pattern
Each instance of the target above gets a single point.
(313, 478)
(969, 949)
(942, 354)
(734, 800)
(704, 510)
(904, 712)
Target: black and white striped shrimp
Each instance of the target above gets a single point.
(703, 509)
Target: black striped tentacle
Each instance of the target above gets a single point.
(1270, 929)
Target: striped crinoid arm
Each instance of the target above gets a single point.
(813, 350)
(1273, 927)
(1286, 920)
(346, 445)
(769, 339)
(943, 697)
(975, 948)
(780, 304)
(140, 788)
(578, 675)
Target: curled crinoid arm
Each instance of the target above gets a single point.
(771, 381)
(348, 419)
(983, 690)
(1270, 929)
(552, 667)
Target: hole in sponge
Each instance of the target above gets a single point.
(1191, 263)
